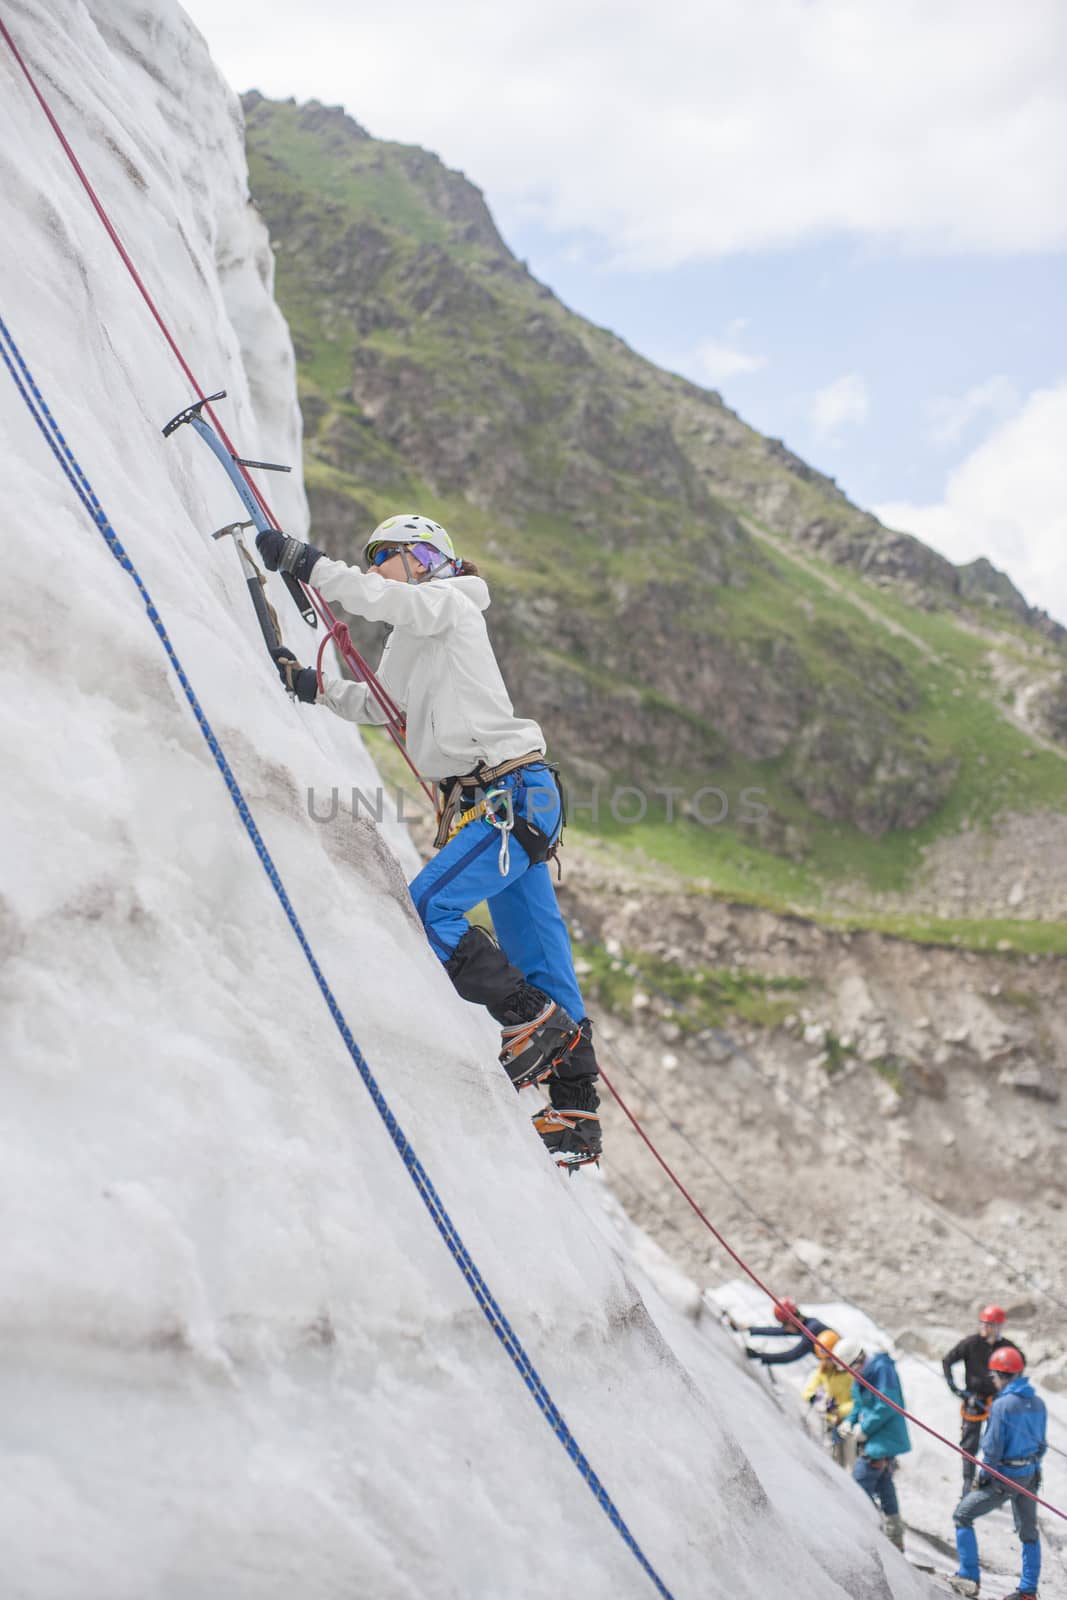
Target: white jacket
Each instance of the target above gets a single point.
(438, 665)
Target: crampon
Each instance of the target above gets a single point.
(572, 1138)
(531, 1049)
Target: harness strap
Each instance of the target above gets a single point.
(448, 825)
(537, 844)
(484, 775)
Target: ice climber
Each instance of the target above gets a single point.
(500, 811)
(829, 1392)
(1014, 1445)
(804, 1345)
(978, 1389)
(880, 1432)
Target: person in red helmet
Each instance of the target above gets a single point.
(978, 1388)
(787, 1313)
(1014, 1447)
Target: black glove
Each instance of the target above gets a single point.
(982, 1480)
(301, 681)
(953, 1389)
(753, 1355)
(282, 553)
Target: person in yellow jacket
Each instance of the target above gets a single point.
(829, 1391)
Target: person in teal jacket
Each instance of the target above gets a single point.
(879, 1430)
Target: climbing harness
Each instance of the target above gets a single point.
(49, 428)
(469, 791)
(473, 793)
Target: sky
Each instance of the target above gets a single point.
(847, 216)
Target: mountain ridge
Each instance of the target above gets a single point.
(459, 200)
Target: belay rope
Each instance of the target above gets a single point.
(495, 1317)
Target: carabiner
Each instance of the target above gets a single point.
(504, 823)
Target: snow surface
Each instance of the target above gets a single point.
(236, 1358)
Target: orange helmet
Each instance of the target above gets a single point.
(1007, 1359)
(825, 1343)
(993, 1314)
(784, 1309)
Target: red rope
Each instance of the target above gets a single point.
(784, 1314)
(394, 720)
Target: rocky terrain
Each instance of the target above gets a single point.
(884, 1083)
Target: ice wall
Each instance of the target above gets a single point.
(235, 1358)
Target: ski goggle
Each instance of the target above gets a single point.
(427, 555)
(430, 557)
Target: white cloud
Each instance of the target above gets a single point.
(713, 361)
(843, 403)
(950, 416)
(1007, 500)
(672, 132)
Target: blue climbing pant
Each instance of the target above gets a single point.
(522, 901)
(978, 1503)
(875, 1477)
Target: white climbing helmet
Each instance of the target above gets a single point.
(410, 528)
(849, 1353)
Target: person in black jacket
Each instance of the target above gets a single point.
(978, 1390)
(785, 1311)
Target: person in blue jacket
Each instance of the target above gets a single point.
(880, 1431)
(1014, 1445)
(790, 1323)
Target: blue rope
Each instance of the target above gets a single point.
(41, 414)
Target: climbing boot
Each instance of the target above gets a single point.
(579, 1058)
(570, 1127)
(535, 1030)
(532, 1044)
(893, 1528)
